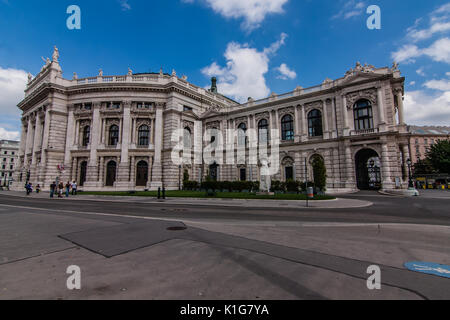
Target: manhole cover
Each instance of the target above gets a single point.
(176, 228)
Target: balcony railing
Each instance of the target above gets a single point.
(364, 132)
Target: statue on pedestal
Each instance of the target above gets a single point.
(265, 179)
(55, 56)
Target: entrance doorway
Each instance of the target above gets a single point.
(213, 171)
(83, 173)
(368, 170)
(111, 173)
(142, 174)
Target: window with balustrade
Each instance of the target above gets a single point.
(287, 128)
(363, 115)
(86, 136)
(315, 123)
(263, 131)
(144, 135)
(113, 135)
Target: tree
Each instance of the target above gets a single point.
(439, 156)
(320, 173)
(423, 167)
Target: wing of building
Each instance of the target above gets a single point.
(117, 132)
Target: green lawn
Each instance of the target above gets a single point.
(202, 194)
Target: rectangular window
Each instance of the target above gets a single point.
(243, 174)
(289, 173)
(187, 108)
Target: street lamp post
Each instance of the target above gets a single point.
(410, 184)
(179, 178)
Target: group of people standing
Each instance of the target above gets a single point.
(61, 188)
(55, 189)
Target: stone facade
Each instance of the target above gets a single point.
(115, 132)
(8, 157)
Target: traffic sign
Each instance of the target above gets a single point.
(429, 268)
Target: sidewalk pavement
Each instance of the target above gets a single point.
(338, 203)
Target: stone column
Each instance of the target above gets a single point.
(346, 131)
(333, 118)
(43, 166)
(69, 137)
(23, 140)
(28, 143)
(124, 166)
(297, 125)
(37, 137)
(92, 171)
(157, 166)
(304, 124)
(401, 116)
(381, 110)
(406, 156)
(102, 172)
(350, 183)
(74, 170)
(326, 133)
(385, 167)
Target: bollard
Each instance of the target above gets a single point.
(164, 193)
(159, 193)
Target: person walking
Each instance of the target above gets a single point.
(52, 189)
(74, 188)
(60, 189)
(29, 188)
(38, 189)
(68, 185)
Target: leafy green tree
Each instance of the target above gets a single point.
(423, 167)
(320, 173)
(439, 156)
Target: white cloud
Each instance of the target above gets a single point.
(285, 72)
(425, 109)
(351, 8)
(439, 51)
(442, 85)
(12, 85)
(439, 22)
(412, 83)
(244, 73)
(125, 5)
(252, 11)
(420, 72)
(9, 135)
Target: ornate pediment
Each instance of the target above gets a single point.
(369, 94)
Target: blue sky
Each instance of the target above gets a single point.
(255, 47)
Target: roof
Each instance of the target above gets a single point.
(429, 130)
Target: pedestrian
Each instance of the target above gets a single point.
(60, 189)
(29, 188)
(68, 185)
(52, 189)
(38, 189)
(74, 188)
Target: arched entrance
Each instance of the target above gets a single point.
(368, 170)
(83, 173)
(141, 174)
(111, 173)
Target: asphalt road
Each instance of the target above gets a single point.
(167, 251)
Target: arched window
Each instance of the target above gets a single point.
(263, 131)
(141, 174)
(187, 140)
(86, 136)
(113, 135)
(287, 128)
(363, 115)
(83, 173)
(315, 123)
(144, 135)
(242, 134)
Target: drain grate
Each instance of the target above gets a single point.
(176, 228)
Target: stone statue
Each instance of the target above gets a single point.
(174, 73)
(100, 73)
(75, 76)
(265, 179)
(130, 72)
(55, 56)
(161, 71)
(358, 66)
(30, 77)
(394, 66)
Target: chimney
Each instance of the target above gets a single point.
(214, 85)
